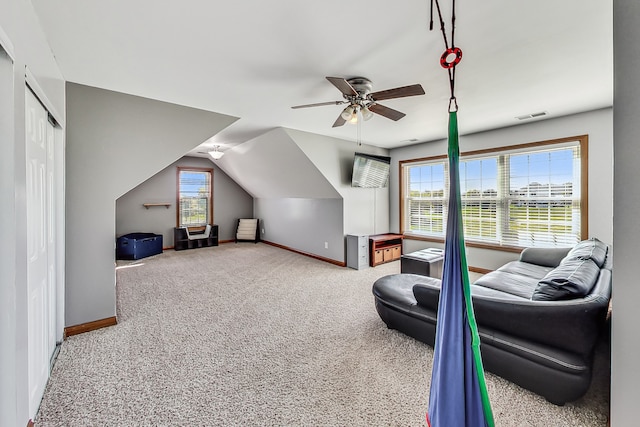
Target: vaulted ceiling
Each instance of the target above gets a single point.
(256, 59)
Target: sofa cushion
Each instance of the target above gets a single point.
(526, 269)
(547, 257)
(508, 283)
(592, 249)
(574, 278)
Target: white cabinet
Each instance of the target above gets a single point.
(357, 251)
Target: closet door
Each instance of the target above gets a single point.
(40, 270)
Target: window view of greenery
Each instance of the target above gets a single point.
(194, 195)
(518, 199)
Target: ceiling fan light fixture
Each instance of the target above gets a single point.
(216, 154)
(366, 113)
(348, 112)
(354, 116)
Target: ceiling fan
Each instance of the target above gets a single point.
(357, 93)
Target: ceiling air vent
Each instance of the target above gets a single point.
(532, 116)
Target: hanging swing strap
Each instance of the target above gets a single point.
(445, 61)
(444, 34)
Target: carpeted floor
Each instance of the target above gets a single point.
(252, 335)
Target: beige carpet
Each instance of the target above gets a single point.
(252, 335)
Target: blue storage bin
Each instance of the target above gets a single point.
(138, 245)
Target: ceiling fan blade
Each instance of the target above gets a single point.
(399, 92)
(318, 104)
(387, 112)
(339, 121)
(342, 85)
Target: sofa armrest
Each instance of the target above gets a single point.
(547, 257)
(427, 295)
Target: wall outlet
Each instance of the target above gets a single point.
(263, 231)
(326, 245)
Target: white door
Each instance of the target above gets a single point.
(40, 270)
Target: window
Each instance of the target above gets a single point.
(519, 196)
(195, 197)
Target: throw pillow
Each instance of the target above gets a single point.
(592, 249)
(573, 278)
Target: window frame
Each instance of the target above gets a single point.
(180, 169)
(583, 143)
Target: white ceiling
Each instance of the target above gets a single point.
(256, 59)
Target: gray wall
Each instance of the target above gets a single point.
(114, 142)
(272, 166)
(297, 205)
(22, 36)
(625, 375)
(230, 202)
(597, 124)
(304, 224)
(366, 210)
(306, 201)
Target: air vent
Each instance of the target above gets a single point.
(532, 116)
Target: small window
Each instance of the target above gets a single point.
(195, 197)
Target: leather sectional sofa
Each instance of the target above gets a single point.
(539, 317)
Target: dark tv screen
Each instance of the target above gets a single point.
(370, 171)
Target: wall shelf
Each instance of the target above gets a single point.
(150, 205)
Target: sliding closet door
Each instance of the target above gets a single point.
(40, 247)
